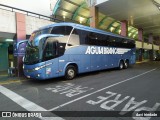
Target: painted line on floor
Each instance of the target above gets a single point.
(24, 103)
(67, 103)
(11, 81)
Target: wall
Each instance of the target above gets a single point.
(33, 23)
(147, 46)
(3, 57)
(38, 6)
(8, 21)
(156, 47)
(8, 24)
(138, 44)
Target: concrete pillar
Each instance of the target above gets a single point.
(124, 28)
(21, 35)
(140, 34)
(94, 17)
(151, 54)
(140, 38)
(151, 38)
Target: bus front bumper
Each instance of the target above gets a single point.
(35, 74)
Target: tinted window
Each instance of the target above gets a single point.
(74, 38)
(31, 55)
(97, 39)
(92, 38)
(82, 36)
(63, 30)
(37, 33)
(50, 50)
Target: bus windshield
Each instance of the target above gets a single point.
(47, 46)
(32, 55)
(56, 30)
(36, 33)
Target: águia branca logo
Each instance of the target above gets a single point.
(105, 50)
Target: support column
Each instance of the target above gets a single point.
(152, 50)
(151, 38)
(140, 34)
(140, 38)
(94, 17)
(21, 35)
(124, 28)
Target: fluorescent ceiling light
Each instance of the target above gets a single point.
(9, 40)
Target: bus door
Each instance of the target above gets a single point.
(51, 59)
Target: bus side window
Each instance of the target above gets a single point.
(92, 38)
(102, 39)
(64, 30)
(82, 36)
(74, 38)
(112, 41)
(61, 48)
(50, 50)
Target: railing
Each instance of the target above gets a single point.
(28, 13)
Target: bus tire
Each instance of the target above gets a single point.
(126, 64)
(70, 72)
(121, 65)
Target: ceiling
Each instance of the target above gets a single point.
(139, 13)
(78, 11)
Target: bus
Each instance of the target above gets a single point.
(67, 49)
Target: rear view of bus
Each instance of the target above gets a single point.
(67, 49)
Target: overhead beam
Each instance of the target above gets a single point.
(88, 20)
(73, 3)
(110, 25)
(75, 14)
(56, 7)
(131, 29)
(134, 33)
(117, 28)
(102, 21)
(72, 12)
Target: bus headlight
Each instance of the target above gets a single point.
(37, 68)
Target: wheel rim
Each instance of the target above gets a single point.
(126, 64)
(71, 73)
(121, 65)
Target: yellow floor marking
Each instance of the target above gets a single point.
(11, 81)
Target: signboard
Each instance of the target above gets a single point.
(19, 48)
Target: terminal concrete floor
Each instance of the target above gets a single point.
(104, 95)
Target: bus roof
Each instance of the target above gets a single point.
(82, 27)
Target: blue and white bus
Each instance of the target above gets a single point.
(67, 49)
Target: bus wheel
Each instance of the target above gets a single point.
(121, 65)
(70, 72)
(126, 64)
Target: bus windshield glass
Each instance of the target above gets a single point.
(62, 30)
(37, 33)
(32, 55)
(56, 30)
(34, 52)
